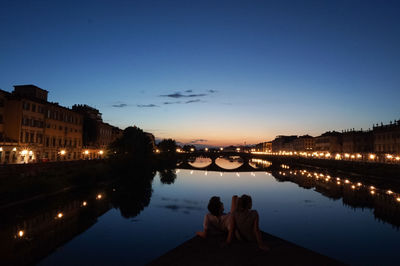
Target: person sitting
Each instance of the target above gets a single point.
(216, 222)
(245, 222)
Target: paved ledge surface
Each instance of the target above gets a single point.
(213, 251)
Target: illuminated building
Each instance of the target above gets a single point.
(39, 130)
(97, 135)
(330, 141)
(283, 143)
(387, 138)
(357, 141)
(304, 143)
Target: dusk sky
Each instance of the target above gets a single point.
(211, 72)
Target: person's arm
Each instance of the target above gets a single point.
(231, 228)
(203, 233)
(234, 203)
(257, 233)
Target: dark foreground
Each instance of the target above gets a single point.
(213, 251)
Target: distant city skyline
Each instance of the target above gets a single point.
(213, 73)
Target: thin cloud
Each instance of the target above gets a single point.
(188, 91)
(146, 105)
(178, 95)
(196, 95)
(197, 141)
(212, 91)
(193, 101)
(178, 102)
(120, 105)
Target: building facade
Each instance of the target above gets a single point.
(357, 141)
(283, 143)
(387, 138)
(35, 130)
(96, 135)
(330, 141)
(304, 143)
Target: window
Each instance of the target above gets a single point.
(1, 119)
(1, 102)
(33, 107)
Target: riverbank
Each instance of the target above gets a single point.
(388, 172)
(20, 183)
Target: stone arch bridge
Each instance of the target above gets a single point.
(185, 158)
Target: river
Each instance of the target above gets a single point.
(131, 223)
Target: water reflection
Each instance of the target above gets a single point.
(200, 162)
(231, 162)
(132, 193)
(167, 176)
(32, 231)
(385, 203)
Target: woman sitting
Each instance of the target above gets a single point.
(216, 222)
(246, 222)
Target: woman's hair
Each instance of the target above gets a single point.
(214, 206)
(244, 202)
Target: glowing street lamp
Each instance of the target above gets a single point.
(21, 233)
(101, 152)
(63, 152)
(86, 152)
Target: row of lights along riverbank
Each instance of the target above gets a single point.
(340, 181)
(337, 156)
(61, 152)
(320, 155)
(60, 215)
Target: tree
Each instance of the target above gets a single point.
(167, 146)
(134, 144)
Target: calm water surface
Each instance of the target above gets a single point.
(349, 224)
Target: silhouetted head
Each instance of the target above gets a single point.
(215, 206)
(244, 203)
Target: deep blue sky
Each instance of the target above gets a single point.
(234, 71)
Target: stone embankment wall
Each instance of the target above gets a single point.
(376, 169)
(34, 169)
